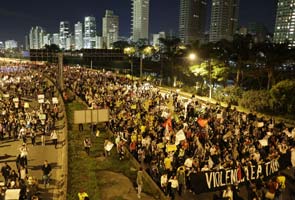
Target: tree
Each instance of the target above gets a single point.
(168, 52)
(283, 94)
(271, 57)
(240, 53)
(121, 45)
(52, 47)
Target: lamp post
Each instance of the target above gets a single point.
(130, 52)
(210, 79)
(145, 52)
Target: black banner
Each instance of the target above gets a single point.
(217, 180)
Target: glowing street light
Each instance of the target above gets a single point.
(192, 56)
(130, 51)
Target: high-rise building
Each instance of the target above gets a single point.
(285, 22)
(140, 19)
(110, 28)
(156, 38)
(55, 39)
(192, 20)
(64, 31)
(36, 37)
(27, 42)
(89, 32)
(78, 36)
(1, 45)
(10, 44)
(70, 40)
(258, 31)
(224, 19)
(100, 43)
(46, 39)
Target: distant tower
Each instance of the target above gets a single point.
(224, 19)
(140, 19)
(36, 37)
(89, 32)
(55, 39)
(64, 32)
(110, 28)
(78, 36)
(285, 22)
(192, 20)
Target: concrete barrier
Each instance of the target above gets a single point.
(60, 192)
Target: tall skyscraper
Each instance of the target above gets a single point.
(78, 36)
(46, 39)
(36, 37)
(55, 38)
(89, 32)
(140, 19)
(224, 19)
(110, 28)
(64, 31)
(285, 22)
(70, 42)
(192, 20)
(27, 42)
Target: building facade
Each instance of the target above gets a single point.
(89, 32)
(285, 22)
(78, 36)
(192, 20)
(64, 32)
(110, 28)
(140, 19)
(47, 39)
(224, 19)
(10, 44)
(156, 38)
(36, 37)
(55, 39)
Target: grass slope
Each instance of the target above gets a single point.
(82, 168)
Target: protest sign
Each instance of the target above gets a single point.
(171, 147)
(109, 146)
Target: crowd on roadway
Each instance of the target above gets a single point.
(175, 137)
(27, 115)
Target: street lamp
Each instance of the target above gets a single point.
(192, 56)
(145, 52)
(130, 52)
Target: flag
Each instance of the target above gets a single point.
(202, 122)
(168, 124)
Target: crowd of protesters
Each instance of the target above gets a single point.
(27, 118)
(149, 122)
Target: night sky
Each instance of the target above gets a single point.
(17, 17)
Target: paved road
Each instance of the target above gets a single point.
(36, 156)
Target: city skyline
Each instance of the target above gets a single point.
(17, 19)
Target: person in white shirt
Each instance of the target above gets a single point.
(174, 186)
(164, 181)
(53, 136)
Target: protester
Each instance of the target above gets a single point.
(82, 195)
(87, 145)
(54, 138)
(5, 171)
(46, 169)
(168, 130)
